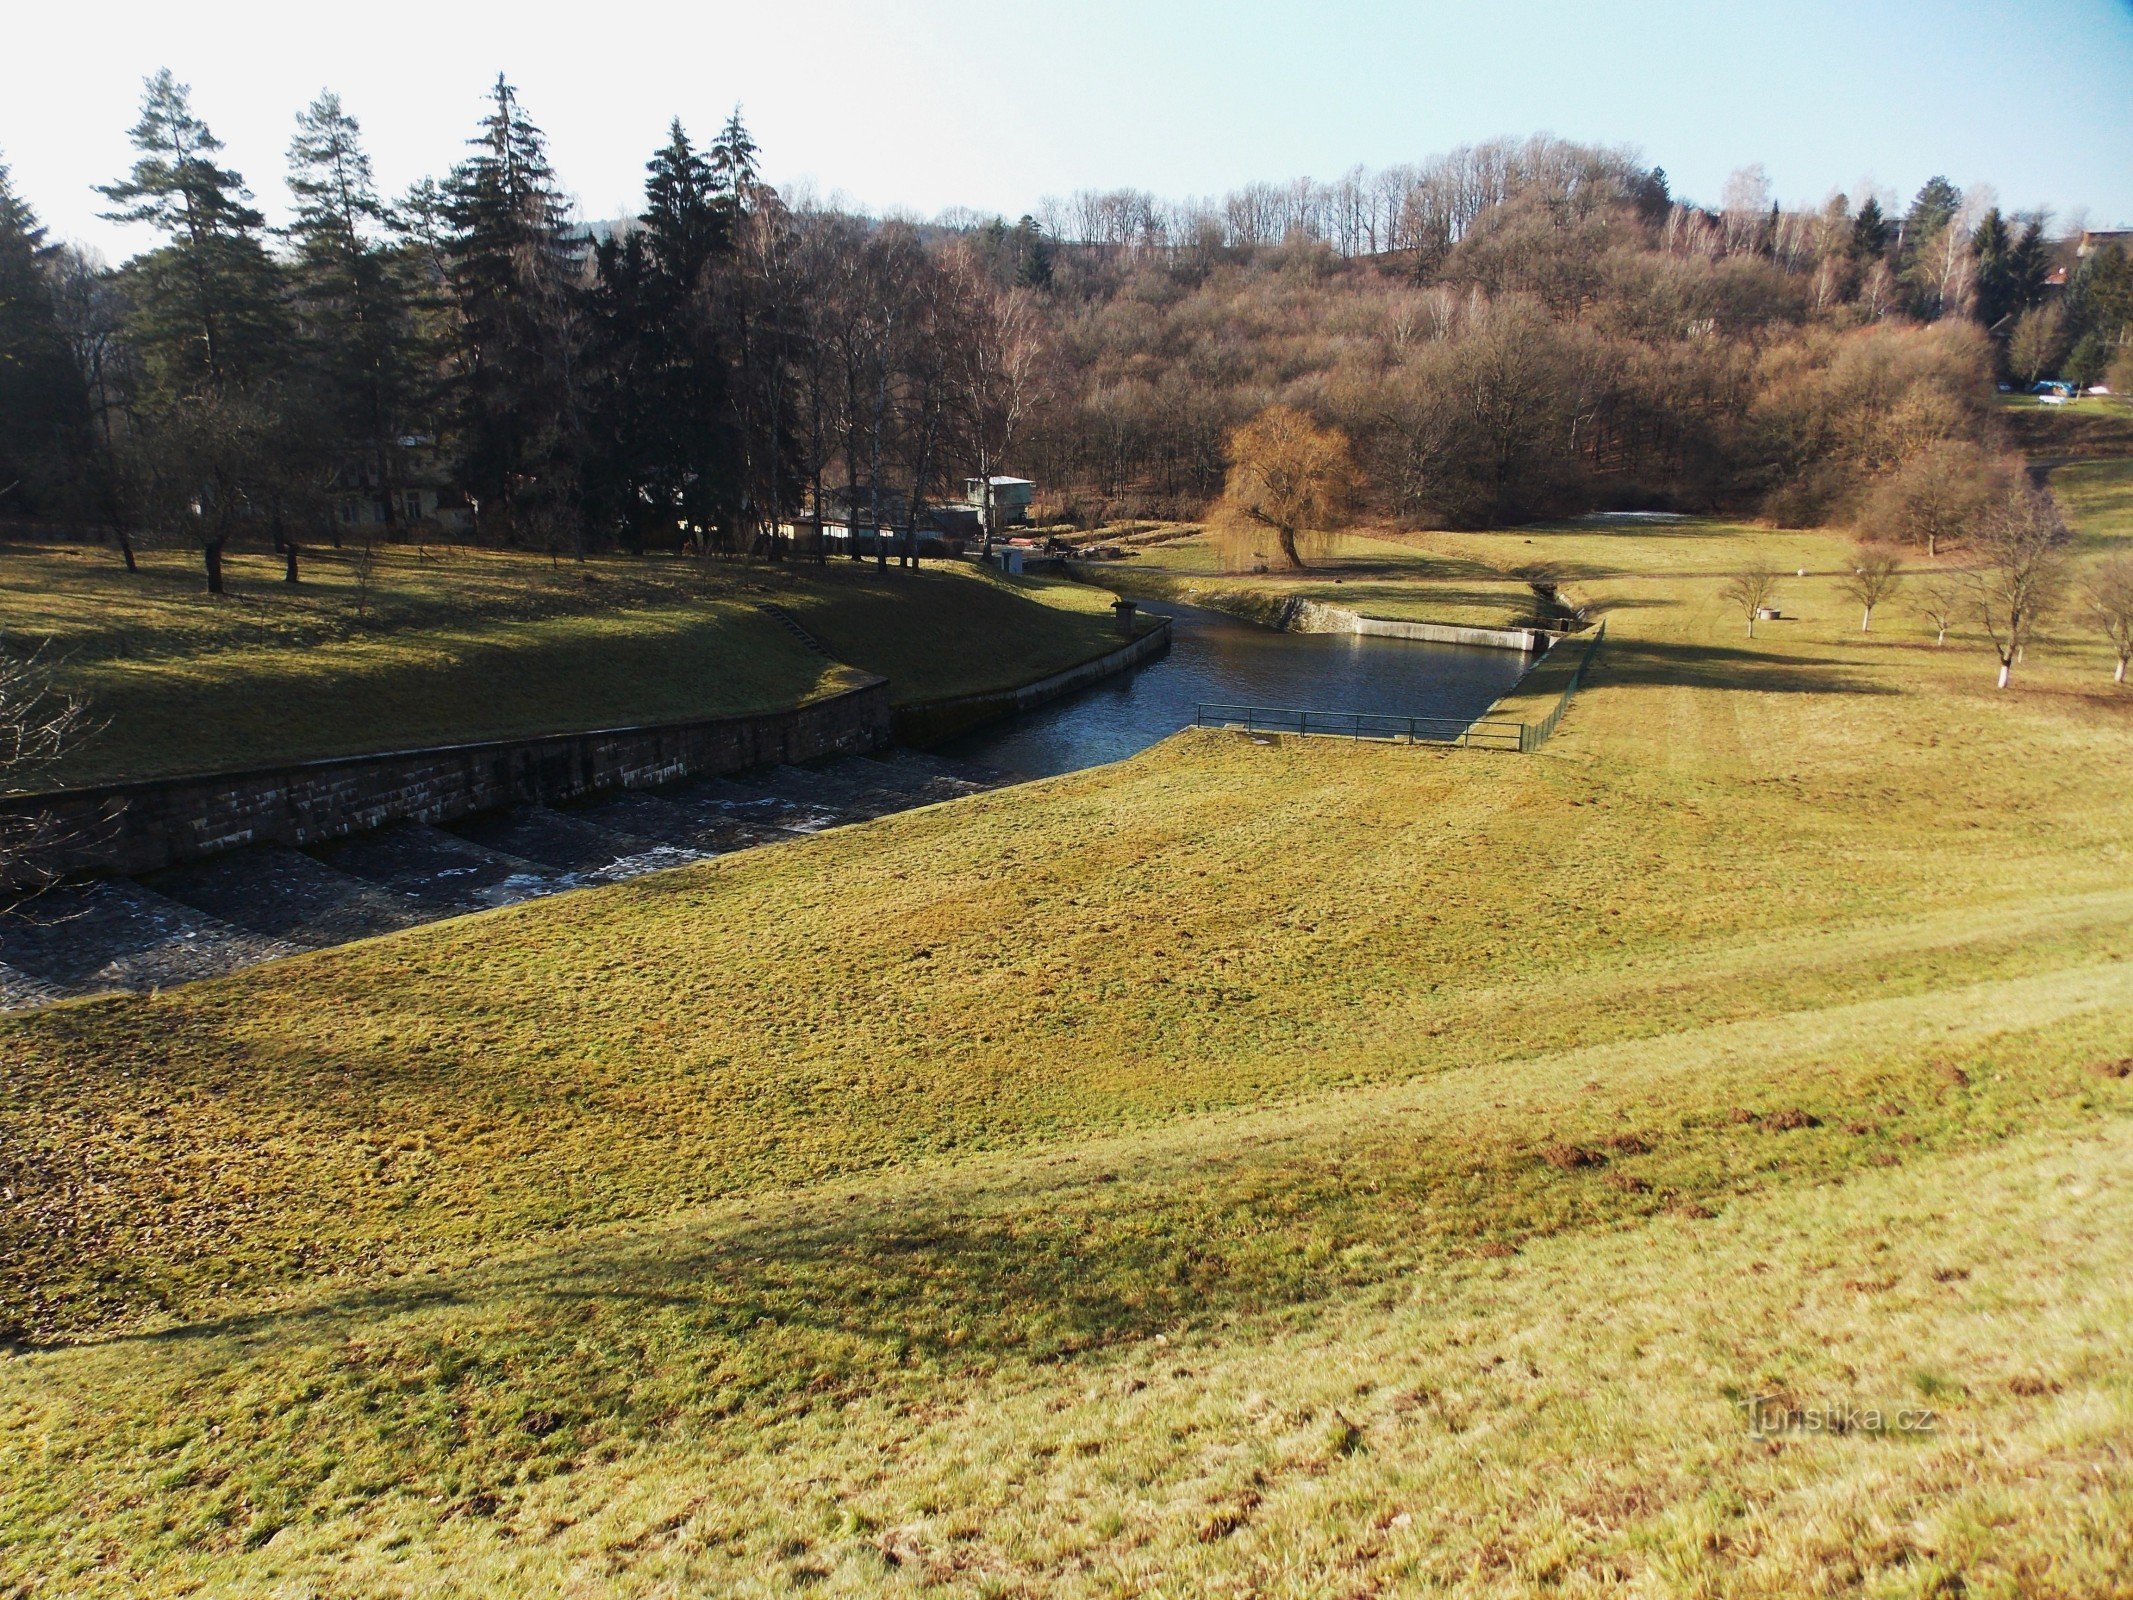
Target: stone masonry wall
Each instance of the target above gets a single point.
(119, 829)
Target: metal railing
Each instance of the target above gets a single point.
(1482, 734)
(1537, 733)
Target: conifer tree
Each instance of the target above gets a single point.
(43, 403)
(514, 264)
(1870, 231)
(350, 295)
(207, 304)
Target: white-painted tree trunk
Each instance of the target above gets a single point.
(2005, 669)
(1866, 621)
(2120, 675)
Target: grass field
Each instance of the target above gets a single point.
(1256, 1168)
(1410, 577)
(451, 644)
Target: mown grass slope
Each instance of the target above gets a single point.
(443, 645)
(1276, 1167)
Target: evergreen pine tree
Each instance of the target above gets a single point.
(207, 304)
(514, 263)
(1870, 231)
(682, 216)
(44, 410)
(733, 169)
(683, 456)
(351, 295)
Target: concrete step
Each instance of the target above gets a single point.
(438, 868)
(114, 934)
(569, 842)
(701, 826)
(816, 788)
(973, 772)
(921, 787)
(19, 991)
(749, 799)
(285, 894)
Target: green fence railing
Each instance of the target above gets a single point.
(1536, 733)
(1485, 734)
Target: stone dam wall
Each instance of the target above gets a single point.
(125, 828)
(1314, 616)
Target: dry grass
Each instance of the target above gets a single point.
(452, 644)
(1253, 1168)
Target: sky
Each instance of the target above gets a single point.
(919, 105)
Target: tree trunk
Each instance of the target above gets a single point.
(1866, 622)
(1751, 624)
(288, 555)
(2005, 669)
(126, 550)
(213, 551)
(1288, 549)
(1941, 637)
(2120, 675)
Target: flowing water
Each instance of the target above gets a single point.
(1217, 658)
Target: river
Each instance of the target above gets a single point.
(1217, 658)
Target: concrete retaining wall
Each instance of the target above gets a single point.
(124, 828)
(934, 720)
(1313, 616)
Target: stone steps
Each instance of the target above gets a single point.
(975, 773)
(115, 934)
(770, 804)
(681, 819)
(438, 868)
(19, 991)
(264, 901)
(285, 894)
(567, 842)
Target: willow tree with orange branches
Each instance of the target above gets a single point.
(1290, 480)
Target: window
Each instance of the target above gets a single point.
(414, 505)
(348, 511)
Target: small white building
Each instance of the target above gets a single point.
(1010, 499)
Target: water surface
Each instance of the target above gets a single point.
(1217, 658)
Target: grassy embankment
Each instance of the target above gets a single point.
(453, 645)
(1253, 1168)
(2092, 427)
(1409, 577)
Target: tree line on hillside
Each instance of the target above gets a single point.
(696, 377)
(1515, 330)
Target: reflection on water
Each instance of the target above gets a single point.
(1214, 657)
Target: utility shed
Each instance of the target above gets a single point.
(1010, 499)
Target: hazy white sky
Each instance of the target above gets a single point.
(992, 103)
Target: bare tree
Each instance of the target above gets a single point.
(1877, 573)
(2021, 571)
(363, 551)
(2038, 341)
(996, 373)
(1937, 495)
(2108, 601)
(39, 723)
(1940, 600)
(1750, 591)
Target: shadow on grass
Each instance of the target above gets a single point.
(1728, 667)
